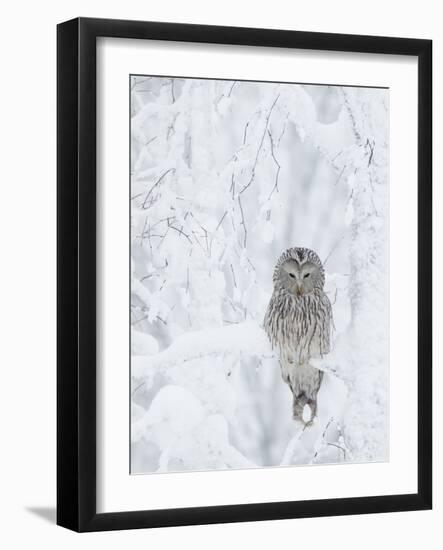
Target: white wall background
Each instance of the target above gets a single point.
(27, 290)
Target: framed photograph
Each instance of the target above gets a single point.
(244, 274)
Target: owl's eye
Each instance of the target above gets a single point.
(292, 275)
(306, 275)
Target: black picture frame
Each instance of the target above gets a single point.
(76, 273)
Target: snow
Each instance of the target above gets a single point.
(306, 414)
(247, 339)
(143, 344)
(224, 177)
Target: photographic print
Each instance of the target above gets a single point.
(259, 304)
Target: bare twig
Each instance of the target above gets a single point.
(168, 220)
(156, 184)
(371, 147)
(142, 80)
(283, 130)
(338, 447)
(336, 156)
(333, 249)
(323, 437)
(233, 276)
(245, 132)
(150, 141)
(162, 239)
(143, 231)
(137, 388)
(243, 221)
(221, 221)
(251, 264)
(340, 175)
(171, 127)
(181, 232)
(232, 87)
(221, 96)
(290, 447)
(275, 188)
(136, 196)
(198, 241)
(149, 238)
(139, 320)
(223, 253)
(252, 177)
(232, 188)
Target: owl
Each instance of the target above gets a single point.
(298, 323)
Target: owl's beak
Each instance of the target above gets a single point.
(298, 289)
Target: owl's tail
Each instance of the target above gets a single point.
(304, 405)
(303, 408)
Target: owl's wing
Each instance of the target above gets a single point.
(325, 325)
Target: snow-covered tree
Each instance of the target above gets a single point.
(225, 175)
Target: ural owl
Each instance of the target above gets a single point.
(298, 323)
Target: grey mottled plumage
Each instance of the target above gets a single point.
(298, 323)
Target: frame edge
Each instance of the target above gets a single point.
(424, 359)
(76, 383)
(67, 278)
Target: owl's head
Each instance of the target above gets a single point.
(299, 271)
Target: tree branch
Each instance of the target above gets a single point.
(251, 179)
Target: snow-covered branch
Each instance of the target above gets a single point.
(246, 339)
(224, 176)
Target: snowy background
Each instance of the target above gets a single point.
(225, 175)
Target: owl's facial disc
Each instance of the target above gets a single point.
(299, 279)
